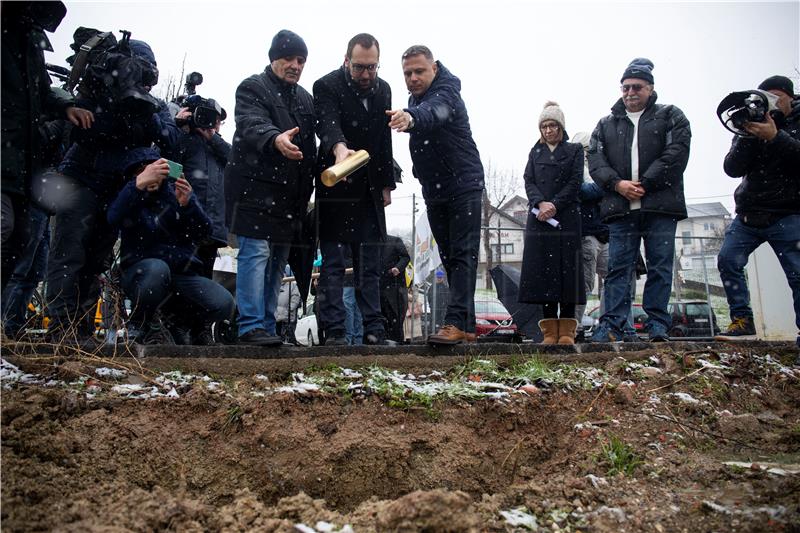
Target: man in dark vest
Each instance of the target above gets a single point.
(350, 103)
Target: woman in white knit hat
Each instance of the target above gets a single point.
(552, 271)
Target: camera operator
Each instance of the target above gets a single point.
(94, 168)
(203, 153)
(767, 203)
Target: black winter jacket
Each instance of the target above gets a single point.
(664, 139)
(341, 117)
(266, 194)
(770, 170)
(204, 166)
(446, 159)
(26, 97)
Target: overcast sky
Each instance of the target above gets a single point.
(511, 56)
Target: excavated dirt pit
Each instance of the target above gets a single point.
(707, 440)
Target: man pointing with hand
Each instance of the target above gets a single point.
(268, 182)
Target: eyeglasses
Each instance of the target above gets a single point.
(634, 87)
(358, 68)
(549, 127)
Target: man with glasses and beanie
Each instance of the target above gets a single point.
(448, 165)
(767, 203)
(637, 155)
(268, 182)
(351, 103)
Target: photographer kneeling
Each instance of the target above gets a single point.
(767, 203)
(161, 224)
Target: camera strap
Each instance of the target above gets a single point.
(82, 57)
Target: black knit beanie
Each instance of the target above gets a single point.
(287, 44)
(640, 68)
(779, 83)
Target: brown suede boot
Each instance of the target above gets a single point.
(567, 328)
(549, 327)
(447, 335)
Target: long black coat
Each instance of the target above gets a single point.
(26, 93)
(266, 194)
(552, 269)
(342, 117)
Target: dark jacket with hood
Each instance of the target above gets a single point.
(266, 194)
(770, 170)
(154, 225)
(446, 159)
(664, 138)
(26, 95)
(204, 167)
(99, 156)
(342, 117)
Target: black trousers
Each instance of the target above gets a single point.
(456, 226)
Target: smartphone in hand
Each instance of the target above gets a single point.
(175, 170)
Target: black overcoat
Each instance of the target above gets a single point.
(552, 268)
(342, 117)
(266, 194)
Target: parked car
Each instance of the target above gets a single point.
(306, 331)
(592, 319)
(692, 318)
(493, 319)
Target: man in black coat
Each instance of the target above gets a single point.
(637, 156)
(394, 295)
(27, 99)
(351, 103)
(268, 182)
(448, 165)
(767, 203)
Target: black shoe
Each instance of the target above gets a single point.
(259, 337)
(156, 333)
(181, 335)
(378, 339)
(659, 336)
(741, 328)
(336, 341)
(631, 337)
(204, 337)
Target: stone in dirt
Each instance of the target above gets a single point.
(740, 427)
(436, 510)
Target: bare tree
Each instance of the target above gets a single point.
(500, 187)
(173, 86)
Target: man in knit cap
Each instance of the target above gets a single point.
(767, 203)
(268, 182)
(637, 156)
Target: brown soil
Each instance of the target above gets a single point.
(226, 460)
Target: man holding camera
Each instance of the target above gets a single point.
(203, 153)
(767, 203)
(351, 103)
(637, 155)
(269, 181)
(94, 168)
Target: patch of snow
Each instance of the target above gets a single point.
(519, 517)
(105, 372)
(685, 397)
(596, 481)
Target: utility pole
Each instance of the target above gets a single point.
(413, 260)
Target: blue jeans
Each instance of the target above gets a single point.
(456, 226)
(353, 322)
(258, 282)
(29, 270)
(149, 284)
(740, 241)
(625, 237)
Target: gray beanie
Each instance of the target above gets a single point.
(551, 111)
(640, 68)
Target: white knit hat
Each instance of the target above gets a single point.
(551, 111)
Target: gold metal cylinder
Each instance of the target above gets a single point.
(333, 175)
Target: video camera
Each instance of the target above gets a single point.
(745, 106)
(204, 110)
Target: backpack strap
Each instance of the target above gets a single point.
(82, 57)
